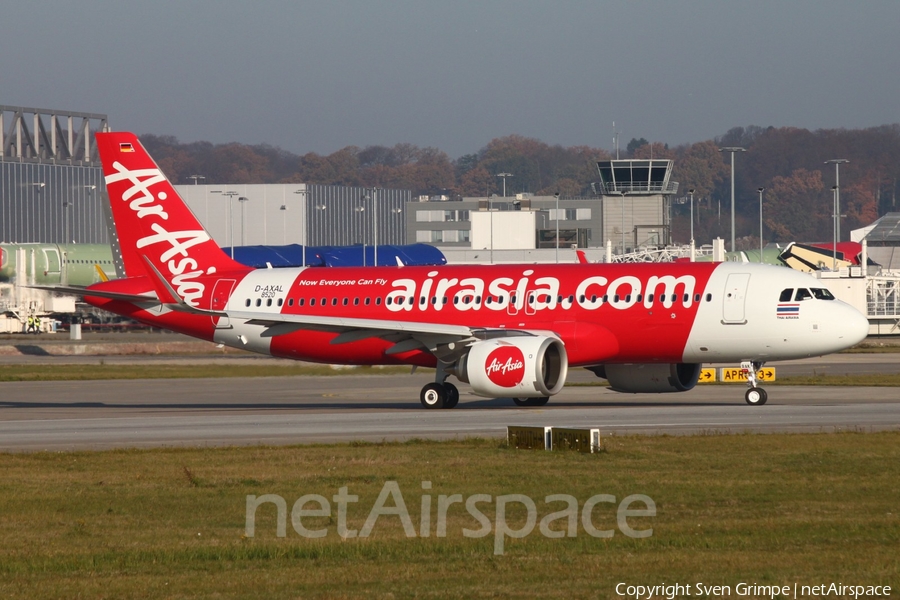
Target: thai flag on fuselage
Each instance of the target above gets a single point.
(787, 311)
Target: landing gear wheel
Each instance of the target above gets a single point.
(452, 395)
(756, 396)
(538, 401)
(433, 395)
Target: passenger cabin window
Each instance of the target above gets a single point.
(786, 295)
(822, 294)
(802, 294)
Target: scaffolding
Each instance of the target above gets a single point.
(883, 297)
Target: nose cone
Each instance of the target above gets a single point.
(853, 326)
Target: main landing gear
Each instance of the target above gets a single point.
(755, 396)
(440, 394)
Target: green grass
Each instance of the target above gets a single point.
(877, 380)
(873, 348)
(770, 509)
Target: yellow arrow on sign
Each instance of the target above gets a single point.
(707, 376)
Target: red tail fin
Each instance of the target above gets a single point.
(153, 221)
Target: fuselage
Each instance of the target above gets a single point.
(621, 313)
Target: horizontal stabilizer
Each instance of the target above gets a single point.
(75, 290)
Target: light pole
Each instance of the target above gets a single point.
(375, 191)
(243, 200)
(66, 204)
(835, 216)
(283, 226)
(491, 211)
(196, 177)
(760, 190)
(732, 150)
(320, 210)
(691, 192)
(360, 210)
(303, 212)
(556, 195)
(231, 196)
(837, 195)
(504, 176)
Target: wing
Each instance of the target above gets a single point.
(442, 340)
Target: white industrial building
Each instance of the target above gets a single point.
(631, 209)
(298, 213)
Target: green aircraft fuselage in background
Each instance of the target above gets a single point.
(66, 264)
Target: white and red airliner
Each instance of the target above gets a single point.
(509, 331)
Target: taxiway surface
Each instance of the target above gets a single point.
(70, 415)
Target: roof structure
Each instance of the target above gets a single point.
(883, 232)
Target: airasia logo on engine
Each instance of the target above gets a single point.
(505, 366)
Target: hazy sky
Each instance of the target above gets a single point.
(318, 76)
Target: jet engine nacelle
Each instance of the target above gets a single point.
(515, 367)
(652, 378)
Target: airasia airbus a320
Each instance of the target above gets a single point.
(509, 331)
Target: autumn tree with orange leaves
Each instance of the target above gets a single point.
(788, 162)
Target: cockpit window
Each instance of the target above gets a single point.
(802, 294)
(786, 295)
(822, 294)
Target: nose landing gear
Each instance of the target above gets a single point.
(755, 396)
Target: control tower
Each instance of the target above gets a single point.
(635, 202)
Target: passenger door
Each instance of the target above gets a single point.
(735, 299)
